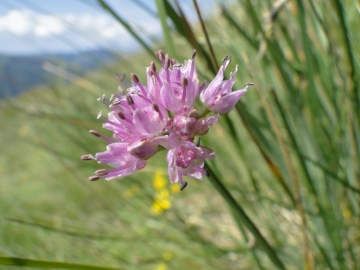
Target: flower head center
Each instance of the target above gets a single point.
(184, 157)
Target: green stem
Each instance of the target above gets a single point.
(49, 264)
(105, 6)
(351, 58)
(207, 39)
(239, 211)
(166, 30)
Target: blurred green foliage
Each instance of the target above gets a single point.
(288, 154)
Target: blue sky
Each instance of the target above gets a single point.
(48, 26)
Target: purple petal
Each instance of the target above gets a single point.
(213, 86)
(125, 170)
(226, 103)
(169, 142)
(145, 124)
(195, 174)
(172, 169)
(169, 98)
(192, 91)
(211, 120)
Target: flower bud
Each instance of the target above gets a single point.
(143, 149)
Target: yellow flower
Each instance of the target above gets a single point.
(161, 266)
(161, 202)
(156, 209)
(159, 180)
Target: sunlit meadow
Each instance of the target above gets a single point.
(283, 190)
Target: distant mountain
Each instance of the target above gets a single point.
(19, 73)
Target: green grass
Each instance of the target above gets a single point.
(292, 143)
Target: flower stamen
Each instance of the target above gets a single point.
(87, 157)
(138, 84)
(93, 178)
(97, 134)
(184, 83)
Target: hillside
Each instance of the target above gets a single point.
(19, 73)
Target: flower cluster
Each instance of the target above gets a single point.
(163, 115)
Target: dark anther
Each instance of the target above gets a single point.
(198, 142)
(183, 186)
(93, 178)
(184, 82)
(193, 54)
(121, 115)
(226, 58)
(129, 100)
(95, 133)
(153, 66)
(116, 101)
(250, 84)
(87, 157)
(156, 107)
(167, 62)
(99, 115)
(134, 78)
(172, 63)
(160, 55)
(178, 65)
(101, 172)
(207, 173)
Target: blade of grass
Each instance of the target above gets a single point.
(208, 43)
(189, 35)
(176, 19)
(65, 232)
(105, 6)
(293, 177)
(252, 250)
(160, 4)
(351, 58)
(253, 42)
(332, 174)
(276, 53)
(49, 264)
(146, 8)
(257, 137)
(245, 219)
(312, 99)
(323, 253)
(323, 212)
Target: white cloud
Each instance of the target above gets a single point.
(48, 25)
(24, 22)
(16, 22)
(83, 31)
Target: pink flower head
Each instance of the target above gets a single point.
(217, 96)
(163, 115)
